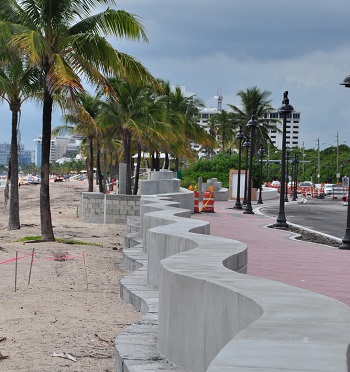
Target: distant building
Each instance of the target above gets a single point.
(292, 132)
(24, 156)
(38, 150)
(5, 150)
(58, 148)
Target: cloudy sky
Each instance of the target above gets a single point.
(302, 46)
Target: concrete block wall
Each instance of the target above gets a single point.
(211, 317)
(108, 208)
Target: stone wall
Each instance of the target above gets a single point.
(108, 208)
(208, 316)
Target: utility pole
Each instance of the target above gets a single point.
(338, 175)
(303, 163)
(318, 161)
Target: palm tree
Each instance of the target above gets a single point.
(254, 101)
(81, 121)
(18, 82)
(67, 42)
(134, 116)
(225, 125)
(182, 114)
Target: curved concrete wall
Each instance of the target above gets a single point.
(216, 319)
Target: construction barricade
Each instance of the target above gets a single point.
(196, 202)
(315, 193)
(208, 201)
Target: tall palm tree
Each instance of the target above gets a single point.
(225, 125)
(66, 41)
(81, 121)
(134, 115)
(257, 102)
(18, 82)
(182, 114)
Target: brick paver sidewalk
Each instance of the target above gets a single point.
(272, 254)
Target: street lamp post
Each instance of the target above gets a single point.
(246, 145)
(285, 109)
(295, 178)
(268, 171)
(346, 240)
(261, 153)
(239, 137)
(252, 124)
(287, 176)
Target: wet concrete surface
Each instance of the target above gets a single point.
(326, 215)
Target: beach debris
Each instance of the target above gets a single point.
(2, 339)
(3, 356)
(64, 355)
(62, 256)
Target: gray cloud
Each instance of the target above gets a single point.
(301, 46)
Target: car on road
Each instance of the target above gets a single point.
(328, 188)
(307, 184)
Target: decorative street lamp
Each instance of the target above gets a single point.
(246, 145)
(287, 176)
(295, 178)
(346, 240)
(285, 109)
(239, 137)
(252, 124)
(261, 153)
(268, 171)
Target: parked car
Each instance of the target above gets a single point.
(307, 184)
(328, 188)
(275, 183)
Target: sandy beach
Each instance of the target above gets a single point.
(66, 305)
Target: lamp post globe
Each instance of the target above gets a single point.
(239, 137)
(346, 240)
(246, 145)
(261, 154)
(252, 124)
(285, 109)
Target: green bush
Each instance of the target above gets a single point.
(219, 167)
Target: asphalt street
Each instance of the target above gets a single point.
(326, 216)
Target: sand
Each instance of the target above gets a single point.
(59, 311)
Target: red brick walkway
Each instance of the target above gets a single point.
(273, 255)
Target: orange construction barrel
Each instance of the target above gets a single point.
(196, 202)
(208, 201)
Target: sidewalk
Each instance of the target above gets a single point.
(272, 254)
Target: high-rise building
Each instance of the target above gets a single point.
(58, 148)
(5, 150)
(292, 129)
(38, 150)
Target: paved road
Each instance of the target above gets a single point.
(327, 216)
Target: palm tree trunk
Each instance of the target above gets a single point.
(98, 169)
(45, 210)
(91, 165)
(127, 157)
(166, 161)
(137, 171)
(104, 171)
(14, 223)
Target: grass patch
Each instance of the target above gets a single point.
(38, 239)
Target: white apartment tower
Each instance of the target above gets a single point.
(292, 130)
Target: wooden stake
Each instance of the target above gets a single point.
(16, 271)
(86, 277)
(31, 265)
